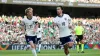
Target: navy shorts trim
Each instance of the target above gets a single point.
(38, 41)
(31, 38)
(65, 40)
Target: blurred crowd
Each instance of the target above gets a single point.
(92, 29)
(10, 32)
(83, 1)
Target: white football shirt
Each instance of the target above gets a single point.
(29, 26)
(39, 32)
(63, 23)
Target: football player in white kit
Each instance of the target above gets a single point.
(39, 36)
(30, 27)
(63, 21)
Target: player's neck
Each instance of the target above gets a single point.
(29, 17)
(60, 15)
(79, 25)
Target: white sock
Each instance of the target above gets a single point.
(34, 52)
(39, 47)
(68, 55)
(28, 46)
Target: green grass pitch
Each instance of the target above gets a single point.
(89, 52)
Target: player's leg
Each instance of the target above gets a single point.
(77, 39)
(66, 49)
(82, 44)
(28, 45)
(38, 45)
(32, 41)
(66, 46)
(66, 41)
(69, 44)
(33, 48)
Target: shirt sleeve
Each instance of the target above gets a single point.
(69, 20)
(35, 18)
(54, 20)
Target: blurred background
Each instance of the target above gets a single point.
(13, 11)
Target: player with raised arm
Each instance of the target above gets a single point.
(63, 21)
(29, 25)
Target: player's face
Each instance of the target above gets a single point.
(79, 23)
(59, 11)
(30, 13)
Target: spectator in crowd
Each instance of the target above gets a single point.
(11, 33)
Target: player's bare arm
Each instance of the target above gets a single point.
(22, 26)
(36, 27)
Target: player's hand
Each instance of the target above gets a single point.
(34, 30)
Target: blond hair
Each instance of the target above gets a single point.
(27, 10)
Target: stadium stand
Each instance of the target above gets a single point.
(10, 33)
(83, 1)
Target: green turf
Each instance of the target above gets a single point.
(49, 53)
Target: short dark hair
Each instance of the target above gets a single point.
(27, 10)
(60, 7)
(79, 22)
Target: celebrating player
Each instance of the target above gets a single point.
(63, 21)
(30, 27)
